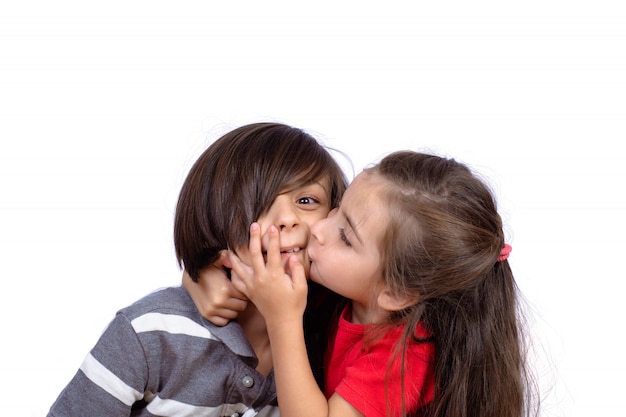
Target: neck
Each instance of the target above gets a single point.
(367, 314)
(250, 320)
(253, 323)
(255, 329)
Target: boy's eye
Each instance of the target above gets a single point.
(307, 200)
(344, 238)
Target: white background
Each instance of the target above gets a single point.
(104, 106)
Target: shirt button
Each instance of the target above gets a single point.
(247, 381)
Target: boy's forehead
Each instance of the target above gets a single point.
(323, 182)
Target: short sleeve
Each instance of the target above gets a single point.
(111, 378)
(373, 385)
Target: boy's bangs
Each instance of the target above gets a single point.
(302, 175)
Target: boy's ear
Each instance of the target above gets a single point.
(222, 260)
(390, 301)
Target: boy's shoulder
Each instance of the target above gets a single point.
(176, 301)
(173, 300)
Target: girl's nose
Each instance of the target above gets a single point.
(317, 231)
(322, 229)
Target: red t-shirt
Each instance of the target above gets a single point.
(360, 372)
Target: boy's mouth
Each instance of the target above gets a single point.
(292, 250)
(287, 251)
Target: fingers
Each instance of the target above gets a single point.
(298, 275)
(229, 297)
(238, 270)
(236, 294)
(238, 283)
(226, 311)
(218, 320)
(256, 247)
(273, 250)
(222, 316)
(214, 295)
(257, 269)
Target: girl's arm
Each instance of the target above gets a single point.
(214, 294)
(282, 300)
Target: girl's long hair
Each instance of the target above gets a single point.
(442, 243)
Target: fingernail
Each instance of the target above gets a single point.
(273, 228)
(254, 227)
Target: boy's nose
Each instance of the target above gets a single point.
(285, 216)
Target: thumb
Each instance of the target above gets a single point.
(298, 276)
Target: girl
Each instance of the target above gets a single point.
(159, 356)
(431, 327)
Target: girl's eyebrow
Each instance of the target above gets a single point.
(352, 227)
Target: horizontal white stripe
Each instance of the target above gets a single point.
(108, 381)
(164, 407)
(170, 323)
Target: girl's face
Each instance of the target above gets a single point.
(294, 212)
(344, 251)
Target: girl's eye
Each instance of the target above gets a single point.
(344, 238)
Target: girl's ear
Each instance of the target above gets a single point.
(391, 301)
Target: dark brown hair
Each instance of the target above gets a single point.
(236, 180)
(442, 245)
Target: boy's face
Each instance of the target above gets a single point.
(293, 212)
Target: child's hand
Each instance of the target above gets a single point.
(278, 296)
(214, 294)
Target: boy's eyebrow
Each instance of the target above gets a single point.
(288, 189)
(321, 185)
(351, 224)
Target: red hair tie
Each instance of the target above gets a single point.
(504, 253)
